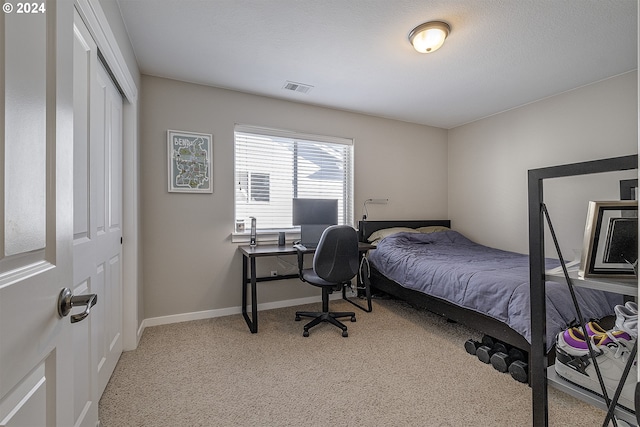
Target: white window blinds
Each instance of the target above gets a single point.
(272, 167)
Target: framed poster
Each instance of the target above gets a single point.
(189, 156)
(610, 246)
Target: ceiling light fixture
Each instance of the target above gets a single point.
(428, 37)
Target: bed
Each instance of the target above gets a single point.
(433, 267)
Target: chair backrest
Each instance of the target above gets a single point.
(336, 259)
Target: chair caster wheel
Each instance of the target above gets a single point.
(345, 334)
(305, 334)
(353, 318)
(298, 318)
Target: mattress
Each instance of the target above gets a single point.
(491, 281)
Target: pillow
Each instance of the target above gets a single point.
(376, 236)
(433, 229)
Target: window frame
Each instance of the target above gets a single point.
(346, 213)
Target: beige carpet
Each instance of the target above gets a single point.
(398, 367)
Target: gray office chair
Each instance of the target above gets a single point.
(335, 263)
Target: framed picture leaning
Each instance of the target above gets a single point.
(610, 246)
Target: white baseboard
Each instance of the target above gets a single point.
(208, 314)
(139, 333)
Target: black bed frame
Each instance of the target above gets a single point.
(473, 319)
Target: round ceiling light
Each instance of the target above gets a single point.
(429, 37)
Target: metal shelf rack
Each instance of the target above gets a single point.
(538, 372)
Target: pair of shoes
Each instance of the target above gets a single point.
(572, 340)
(627, 318)
(612, 351)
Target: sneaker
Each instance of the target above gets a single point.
(613, 349)
(627, 318)
(632, 306)
(593, 329)
(572, 340)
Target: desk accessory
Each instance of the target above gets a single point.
(252, 242)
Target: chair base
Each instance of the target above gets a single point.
(329, 317)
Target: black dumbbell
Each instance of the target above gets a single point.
(519, 371)
(488, 341)
(501, 360)
(484, 353)
(500, 347)
(489, 347)
(471, 346)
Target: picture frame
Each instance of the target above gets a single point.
(610, 246)
(189, 156)
(629, 189)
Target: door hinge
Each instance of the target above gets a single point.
(120, 239)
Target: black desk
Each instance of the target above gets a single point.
(249, 255)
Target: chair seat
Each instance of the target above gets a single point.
(310, 276)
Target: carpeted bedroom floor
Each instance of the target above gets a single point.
(398, 367)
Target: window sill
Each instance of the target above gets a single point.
(264, 237)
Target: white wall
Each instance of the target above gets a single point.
(189, 262)
(489, 160)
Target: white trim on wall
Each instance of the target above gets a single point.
(95, 19)
(209, 314)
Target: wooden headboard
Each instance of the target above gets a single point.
(366, 228)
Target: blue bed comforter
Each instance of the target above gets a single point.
(449, 266)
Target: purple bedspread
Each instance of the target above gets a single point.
(491, 281)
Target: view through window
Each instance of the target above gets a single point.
(272, 167)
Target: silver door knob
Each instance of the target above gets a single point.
(66, 301)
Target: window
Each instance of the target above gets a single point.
(253, 187)
(272, 167)
(260, 187)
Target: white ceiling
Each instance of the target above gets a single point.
(500, 54)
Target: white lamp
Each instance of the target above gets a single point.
(372, 201)
(428, 37)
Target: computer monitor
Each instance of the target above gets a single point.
(313, 216)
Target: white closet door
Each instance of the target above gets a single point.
(97, 223)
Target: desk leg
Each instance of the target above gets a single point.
(253, 321)
(367, 291)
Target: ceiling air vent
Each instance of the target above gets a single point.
(297, 87)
